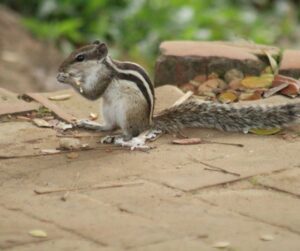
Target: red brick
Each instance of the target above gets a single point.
(181, 61)
(290, 63)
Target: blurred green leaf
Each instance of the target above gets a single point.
(134, 28)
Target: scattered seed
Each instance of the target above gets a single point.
(50, 151)
(93, 116)
(38, 233)
(267, 237)
(60, 97)
(221, 244)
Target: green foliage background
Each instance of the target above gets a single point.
(134, 29)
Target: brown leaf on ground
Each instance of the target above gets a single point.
(235, 84)
(286, 85)
(292, 90)
(212, 85)
(233, 74)
(188, 87)
(263, 81)
(275, 90)
(262, 131)
(212, 75)
(200, 78)
(228, 97)
(254, 95)
(272, 61)
(188, 141)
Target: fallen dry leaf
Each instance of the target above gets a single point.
(188, 141)
(267, 70)
(38, 233)
(221, 244)
(227, 97)
(60, 97)
(213, 75)
(253, 95)
(235, 84)
(270, 131)
(263, 81)
(188, 87)
(291, 90)
(41, 123)
(233, 74)
(289, 136)
(211, 86)
(274, 90)
(200, 78)
(272, 61)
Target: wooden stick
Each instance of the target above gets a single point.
(214, 168)
(223, 143)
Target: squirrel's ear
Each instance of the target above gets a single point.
(102, 49)
(96, 42)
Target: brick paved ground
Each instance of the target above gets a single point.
(168, 199)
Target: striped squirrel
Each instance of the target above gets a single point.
(128, 99)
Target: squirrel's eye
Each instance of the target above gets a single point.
(80, 57)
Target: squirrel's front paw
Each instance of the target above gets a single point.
(88, 124)
(62, 77)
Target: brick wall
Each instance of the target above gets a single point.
(181, 61)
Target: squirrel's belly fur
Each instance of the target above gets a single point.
(196, 113)
(130, 112)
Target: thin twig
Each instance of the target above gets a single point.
(218, 169)
(214, 168)
(223, 143)
(49, 191)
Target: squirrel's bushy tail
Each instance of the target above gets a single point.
(233, 117)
